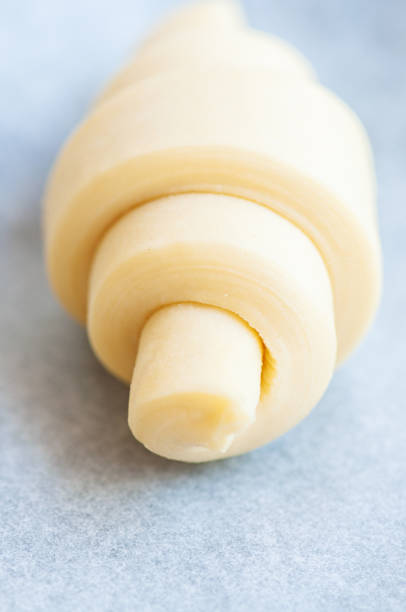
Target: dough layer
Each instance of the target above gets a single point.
(231, 254)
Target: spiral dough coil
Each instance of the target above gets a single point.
(212, 221)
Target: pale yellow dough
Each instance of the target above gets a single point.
(194, 389)
(241, 48)
(213, 221)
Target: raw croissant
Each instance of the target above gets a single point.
(212, 221)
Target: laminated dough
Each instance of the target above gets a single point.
(212, 222)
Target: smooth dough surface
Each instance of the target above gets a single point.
(196, 382)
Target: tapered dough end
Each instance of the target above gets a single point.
(203, 15)
(196, 382)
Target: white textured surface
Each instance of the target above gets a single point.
(89, 520)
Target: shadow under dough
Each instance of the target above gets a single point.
(59, 400)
